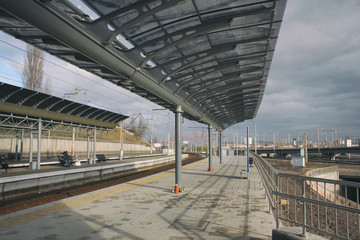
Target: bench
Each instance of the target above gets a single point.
(251, 162)
(12, 156)
(101, 157)
(62, 160)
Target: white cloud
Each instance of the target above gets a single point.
(314, 79)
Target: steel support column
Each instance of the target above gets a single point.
(31, 165)
(94, 149)
(220, 146)
(88, 147)
(16, 146)
(210, 148)
(22, 144)
(178, 146)
(121, 141)
(39, 145)
(247, 151)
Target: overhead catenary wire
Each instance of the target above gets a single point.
(93, 97)
(136, 98)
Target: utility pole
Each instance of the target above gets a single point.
(264, 140)
(152, 129)
(168, 145)
(202, 137)
(289, 139)
(274, 142)
(121, 141)
(237, 143)
(76, 93)
(318, 140)
(255, 137)
(319, 129)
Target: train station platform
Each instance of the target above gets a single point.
(219, 205)
(17, 169)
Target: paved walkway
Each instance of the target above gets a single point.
(217, 205)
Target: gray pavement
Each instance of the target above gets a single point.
(216, 205)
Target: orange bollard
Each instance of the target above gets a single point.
(176, 188)
(210, 170)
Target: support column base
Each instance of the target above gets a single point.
(211, 169)
(177, 189)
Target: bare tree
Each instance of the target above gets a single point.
(47, 86)
(138, 125)
(33, 71)
(154, 140)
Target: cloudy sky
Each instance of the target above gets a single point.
(314, 81)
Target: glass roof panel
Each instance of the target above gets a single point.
(188, 46)
(107, 6)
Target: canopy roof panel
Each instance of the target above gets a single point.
(25, 102)
(212, 57)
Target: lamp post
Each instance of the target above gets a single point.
(76, 93)
(319, 138)
(264, 140)
(335, 136)
(255, 134)
(274, 137)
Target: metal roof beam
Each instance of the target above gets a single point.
(241, 113)
(62, 24)
(222, 80)
(204, 28)
(70, 32)
(106, 36)
(205, 71)
(208, 53)
(192, 83)
(229, 95)
(225, 90)
(223, 62)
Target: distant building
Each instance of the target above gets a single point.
(250, 141)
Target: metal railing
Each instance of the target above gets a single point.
(323, 206)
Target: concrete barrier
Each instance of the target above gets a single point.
(54, 145)
(330, 192)
(27, 185)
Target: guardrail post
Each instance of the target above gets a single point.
(304, 208)
(277, 201)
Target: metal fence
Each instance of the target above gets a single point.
(322, 206)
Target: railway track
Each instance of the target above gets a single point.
(32, 201)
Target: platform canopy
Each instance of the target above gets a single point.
(211, 57)
(24, 102)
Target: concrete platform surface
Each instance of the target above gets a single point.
(216, 205)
